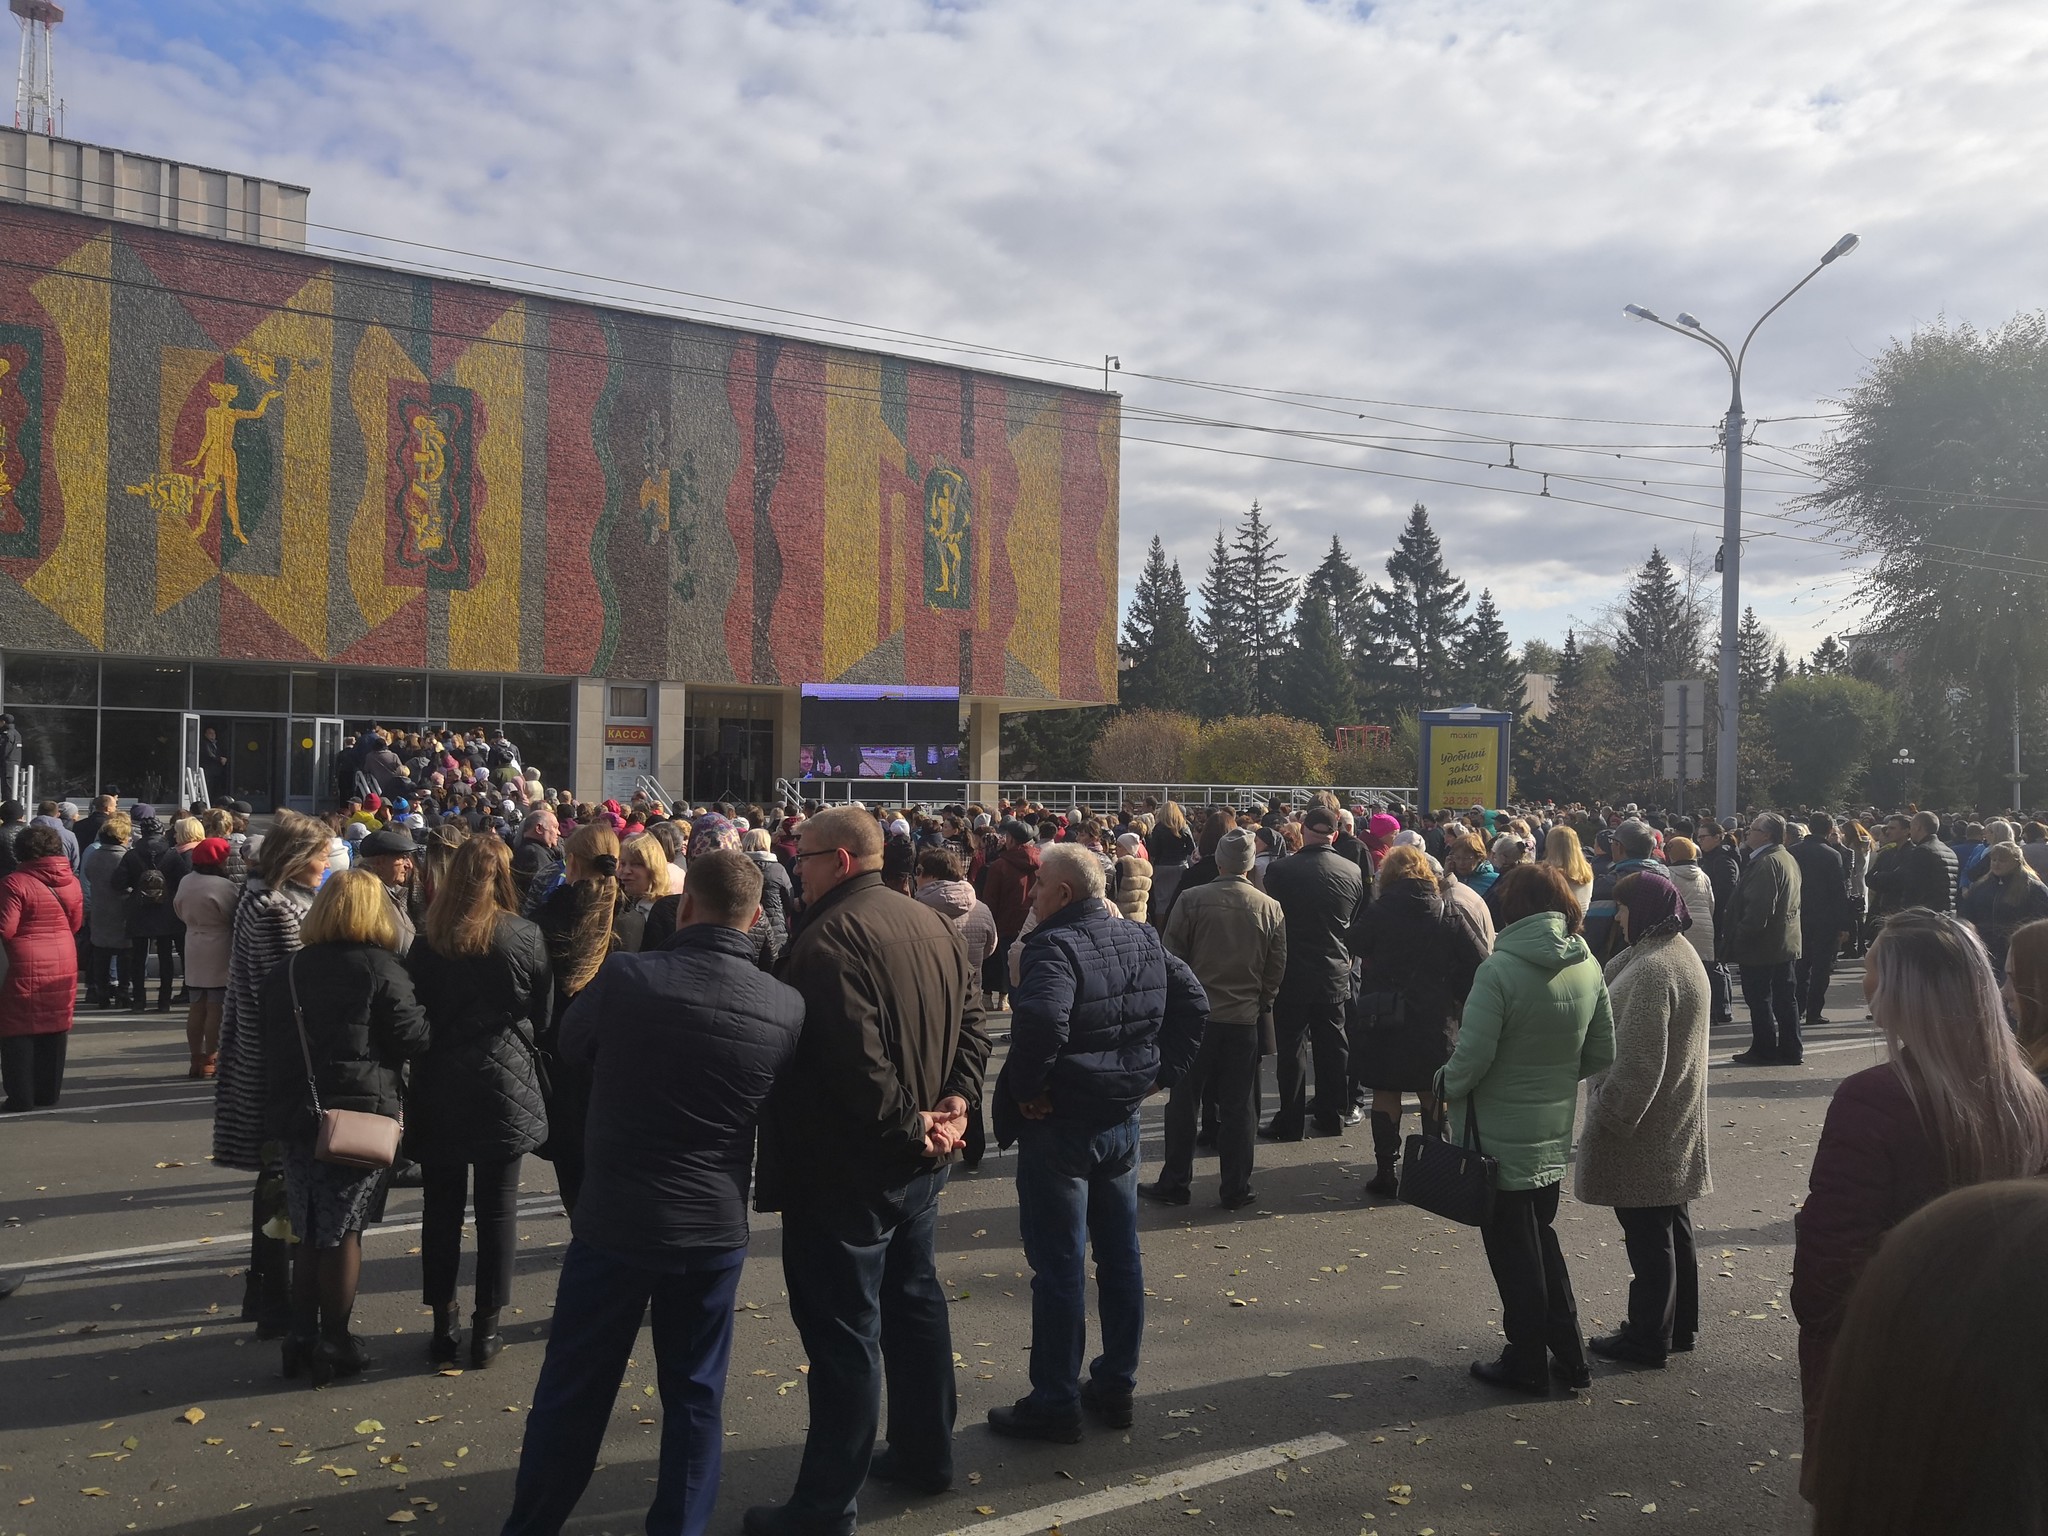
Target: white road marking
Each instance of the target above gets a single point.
(1034, 1522)
(95, 1109)
(72, 1266)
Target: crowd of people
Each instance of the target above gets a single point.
(696, 1010)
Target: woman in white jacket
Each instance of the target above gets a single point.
(205, 904)
(1685, 873)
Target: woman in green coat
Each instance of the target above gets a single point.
(1536, 1023)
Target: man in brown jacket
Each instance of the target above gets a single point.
(856, 1144)
(1234, 939)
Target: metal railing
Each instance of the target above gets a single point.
(1063, 794)
(648, 787)
(21, 783)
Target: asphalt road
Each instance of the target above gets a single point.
(1305, 1361)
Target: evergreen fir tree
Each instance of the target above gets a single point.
(1165, 670)
(1659, 640)
(1488, 672)
(1568, 756)
(1424, 612)
(1337, 582)
(1226, 685)
(1266, 597)
(1830, 658)
(1781, 668)
(1318, 676)
(1755, 649)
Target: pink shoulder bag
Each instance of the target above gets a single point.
(351, 1138)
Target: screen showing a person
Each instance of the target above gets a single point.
(852, 731)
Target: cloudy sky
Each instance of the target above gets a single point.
(1407, 228)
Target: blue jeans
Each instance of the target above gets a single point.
(599, 1304)
(864, 1293)
(1076, 1186)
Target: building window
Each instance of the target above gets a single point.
(52, 680)
(313, 693)
(530, 699)
(628, 703)
(457, 701)
(236, 690)
(62, 746)
(391, 697)
(144, 685)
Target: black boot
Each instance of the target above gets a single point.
(1386, 1149)
(1517, 1370)
(484, 1342)
(270, 1274)
(445, 1347)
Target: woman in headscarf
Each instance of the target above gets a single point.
(1644, 1148)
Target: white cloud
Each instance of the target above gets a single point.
(1426, 200)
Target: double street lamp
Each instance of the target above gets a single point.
(1731, 512)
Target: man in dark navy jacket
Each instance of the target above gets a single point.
(1102, 1017)
(683, 1045)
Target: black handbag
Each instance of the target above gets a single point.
(1449, 1179)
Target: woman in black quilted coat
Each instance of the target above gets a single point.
(1419, 954)
(475, 1108)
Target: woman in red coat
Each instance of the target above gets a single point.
(1957, 1104)
(41, 911)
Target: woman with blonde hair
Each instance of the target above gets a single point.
(577, 920)
(276, 895)
(1958, 1103)
(481, 972)
(1563, 851)
(643, 882)
(1169, 846)
(2004, 898)
(338, 1022)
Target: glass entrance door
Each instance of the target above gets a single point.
(309, 759)
(253, 769)
(193, 788)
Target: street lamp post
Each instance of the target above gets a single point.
(1731, 514)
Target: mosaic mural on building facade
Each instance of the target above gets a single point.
(210, 450)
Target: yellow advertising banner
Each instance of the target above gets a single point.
(1462, 766)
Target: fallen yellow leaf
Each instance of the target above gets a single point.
(193, 1415)
(984, 1509)
(368, 1427)
(400, 1517)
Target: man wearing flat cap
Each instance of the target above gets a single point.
(388, 854)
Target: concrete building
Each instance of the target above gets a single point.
(248, 489)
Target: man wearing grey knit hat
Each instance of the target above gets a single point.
(1234, 939)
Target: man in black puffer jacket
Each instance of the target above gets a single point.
(683, 1046)
(1103, 1017)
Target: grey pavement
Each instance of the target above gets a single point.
(1305, 1361)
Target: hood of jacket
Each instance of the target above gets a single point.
(1540, 940)
(52, 870)
(954, 899)
(1023, 857)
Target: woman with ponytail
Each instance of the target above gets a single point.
(577, 921)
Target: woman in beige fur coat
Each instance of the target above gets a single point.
(1644, 1150)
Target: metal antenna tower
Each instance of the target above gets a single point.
(35, 89)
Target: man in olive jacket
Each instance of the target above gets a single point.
(856, 1144)
(1234, 938)
(1319, 891)
(1766, 946)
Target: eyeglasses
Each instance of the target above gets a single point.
(818, 853)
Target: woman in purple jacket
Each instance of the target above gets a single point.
(1957, 1104)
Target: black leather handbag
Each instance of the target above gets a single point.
(1447, 1178)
